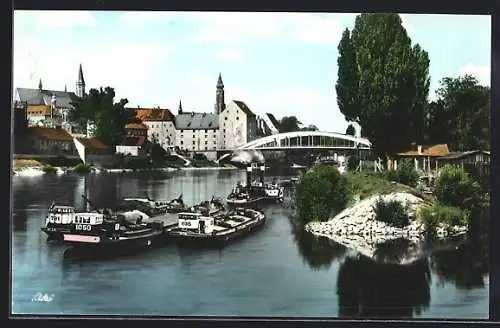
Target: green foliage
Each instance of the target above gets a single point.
(461, 115)
(320, 192)
(82, 168)
(157, 153)
(49, 169)
(392, 212)
(351, 130)
(62, 161)
(406, 173)
(289, 124)
(383, 82)
(435, 213)
(454, 188)
(110, 118)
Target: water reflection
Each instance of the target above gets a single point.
(367, 288)
(20, 221)
(467, 265)
(318, 252)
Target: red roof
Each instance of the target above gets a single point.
(154, 114)
(50, 133)
(92, 143)
(139, 126)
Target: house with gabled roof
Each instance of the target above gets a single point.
(136, 142)
(92, 151)
(425, 157)
(53, 141)
(161, 125)
(238, 125)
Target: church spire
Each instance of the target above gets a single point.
(65, 89)
(219, 82)
(80, 83)
(40, 87)
(180, 106)
(219, 96)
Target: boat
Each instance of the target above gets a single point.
(60, 219)
(117, 233)
(256, 192)
(152, 207)
(212, 207)
(217, 230)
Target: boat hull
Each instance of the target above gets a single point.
(55, 233)
(113, 246)
(216, 240)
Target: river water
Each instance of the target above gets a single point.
(275, 272)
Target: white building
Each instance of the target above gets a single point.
(197, 132)
(160, 123)
(237, 124)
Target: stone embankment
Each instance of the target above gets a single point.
(357, 227)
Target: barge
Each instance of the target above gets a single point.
(217, 230)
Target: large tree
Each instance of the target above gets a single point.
(383, 82)
(110, 118)
(460, 116)
(290, 124)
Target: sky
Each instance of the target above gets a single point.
(280, 63)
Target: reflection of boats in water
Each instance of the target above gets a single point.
(217, 229)
(256, 192)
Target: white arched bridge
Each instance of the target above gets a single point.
(307, 140)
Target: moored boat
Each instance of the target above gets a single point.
(254, 193)
(120, 233)
(212, 207)
(217, 230)
(152, 207)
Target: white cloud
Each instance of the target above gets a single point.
(228, 54)
(482, 73)
(128, 67)
(64, 18)
(234, 28)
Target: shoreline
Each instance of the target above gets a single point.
(32, 171)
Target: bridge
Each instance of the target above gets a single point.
(307, 140)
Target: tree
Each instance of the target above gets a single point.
(310, 127)
(289, 124)
(109, 117)
(383, 82)
(460, 116)
(351, 130)
(321, 192)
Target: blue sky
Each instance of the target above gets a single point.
(283, 63)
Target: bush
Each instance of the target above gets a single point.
(49, 169)
(434, 214)
(392, 213)
(81, 168)
(454, 188)
(62, 161)
(406, 173)
(320, 192)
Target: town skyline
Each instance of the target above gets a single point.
(291, 70)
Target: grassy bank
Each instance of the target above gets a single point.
(367, 184)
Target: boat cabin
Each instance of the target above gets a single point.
(61, 214)
(195, 222)
(88, 218)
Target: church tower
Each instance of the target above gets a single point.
(180, 107)
(40, 86)
(80, 83)
(219, 97)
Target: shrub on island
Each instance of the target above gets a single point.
(392, 213)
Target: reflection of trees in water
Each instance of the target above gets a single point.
(367, 288)
(317, 252)
(468, 264)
